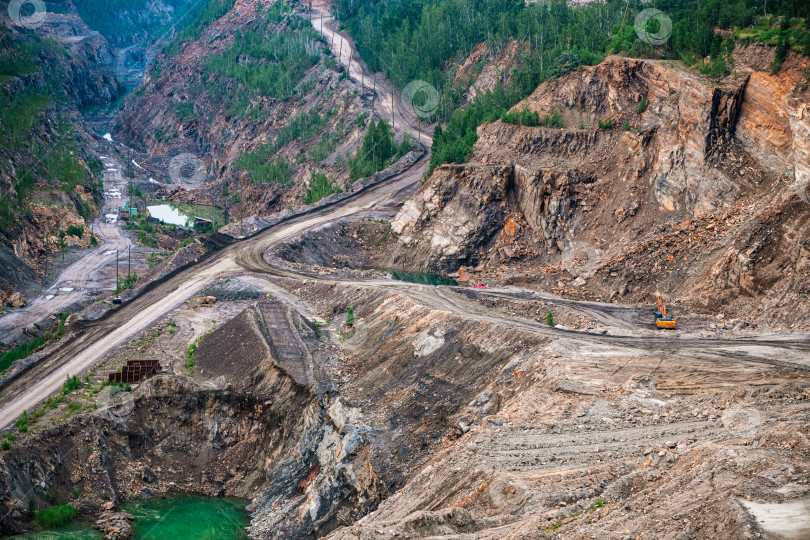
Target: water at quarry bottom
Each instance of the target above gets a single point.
(181, 517)
(422, 278)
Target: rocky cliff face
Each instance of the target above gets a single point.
(316, 432)
(134, 32)
(655, 202)
(169, 437)
(87, 70)
(774, 122)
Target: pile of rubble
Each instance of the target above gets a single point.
(114, 525)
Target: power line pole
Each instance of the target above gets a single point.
(117, 283)
(129, 262)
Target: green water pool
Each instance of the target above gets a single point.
(181, 518)
(75, 531)
(422, 278)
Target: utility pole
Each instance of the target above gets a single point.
(129, 263)
(392, 111)
(117, 284)
(241, 210)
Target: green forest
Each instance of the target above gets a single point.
(429, 39)
(278, 60)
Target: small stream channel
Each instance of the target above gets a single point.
(181, 517)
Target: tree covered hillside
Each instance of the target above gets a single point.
(428, 39)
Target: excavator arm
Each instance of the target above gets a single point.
(661, 319)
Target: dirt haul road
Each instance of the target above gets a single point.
(93, 341)
(786, 354)
(83, 348)
(83, 351)
(387, 99)
(86, 346)
(84, 275)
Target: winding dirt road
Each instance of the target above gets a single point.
(388, 103)
(83, 277)
(88, 342)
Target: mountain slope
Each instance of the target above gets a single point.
(258, 101)
(661, 180)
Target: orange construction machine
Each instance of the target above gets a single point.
(661, 319)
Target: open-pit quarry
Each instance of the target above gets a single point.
(435, 411)
(304, 365)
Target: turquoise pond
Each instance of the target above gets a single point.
(182, 517)
(422, 278)
(76, 531)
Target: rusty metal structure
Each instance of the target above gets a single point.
(135, 371)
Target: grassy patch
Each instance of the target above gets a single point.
(184, 111)
(56, 516)
(71, 383)
(25, 349)
(190, 357)
(126, 282)
(23, 422)
(525, 117)
(262, 169)
(19, 114)
(606, 124)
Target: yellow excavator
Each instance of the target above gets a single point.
(661, 319)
